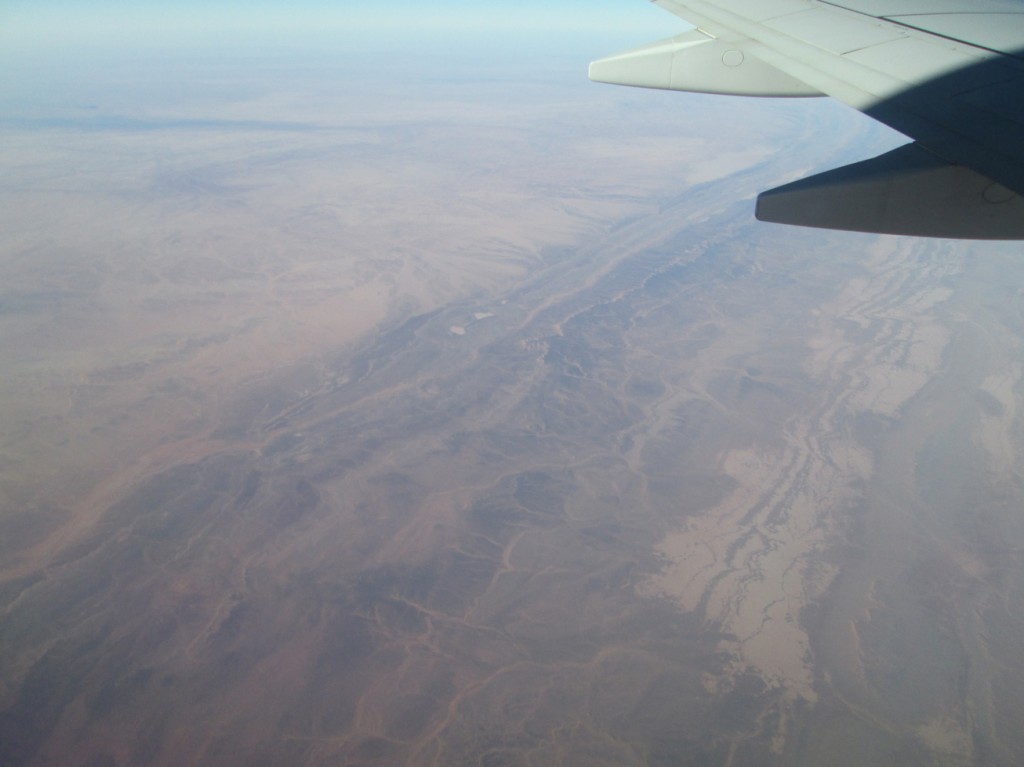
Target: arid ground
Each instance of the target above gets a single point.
(349, 418)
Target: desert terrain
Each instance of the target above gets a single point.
(447, 421)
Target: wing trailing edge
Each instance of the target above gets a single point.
(906, 191)
(948, 74)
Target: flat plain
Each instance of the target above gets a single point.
(450, 422)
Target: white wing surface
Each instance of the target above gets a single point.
(949, 74)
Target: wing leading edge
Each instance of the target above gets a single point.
(947, 73)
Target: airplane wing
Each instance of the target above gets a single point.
(948, 74)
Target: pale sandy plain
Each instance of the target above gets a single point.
(432, 421)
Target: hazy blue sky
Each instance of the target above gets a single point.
(59, 52)
(35, 22)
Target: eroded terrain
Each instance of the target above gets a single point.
(570, 466)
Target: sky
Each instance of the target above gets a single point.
(56, 52)
(30, 23)
(57, 55)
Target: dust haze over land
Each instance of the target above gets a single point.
(461, 420)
